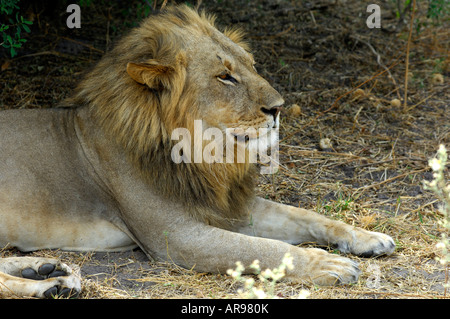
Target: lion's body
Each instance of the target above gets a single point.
(48, 196)
(99, 175)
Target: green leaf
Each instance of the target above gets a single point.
(26, 28)
(14, 4)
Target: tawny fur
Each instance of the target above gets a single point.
(142, 119)
(99, 175)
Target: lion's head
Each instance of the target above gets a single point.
(172, 70)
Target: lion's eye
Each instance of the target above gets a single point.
(227, 79)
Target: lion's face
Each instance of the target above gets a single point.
(229, 93)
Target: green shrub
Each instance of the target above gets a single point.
(12, 30)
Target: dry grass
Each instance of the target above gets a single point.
(370, 177)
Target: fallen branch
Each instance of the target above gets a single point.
(391, 179)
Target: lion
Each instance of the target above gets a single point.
(96, 174)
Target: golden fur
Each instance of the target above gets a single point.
(141, 119)
(110, 183)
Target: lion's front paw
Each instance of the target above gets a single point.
(329, 269)
(367, 244)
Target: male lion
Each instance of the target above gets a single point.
(98, 174)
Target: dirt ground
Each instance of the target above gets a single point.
(326, 62)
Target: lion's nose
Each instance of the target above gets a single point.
(274, 111)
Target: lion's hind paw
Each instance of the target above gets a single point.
(39, 277)
(46, 271)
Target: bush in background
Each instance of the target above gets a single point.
(13, 25)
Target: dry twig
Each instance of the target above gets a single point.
(379, 62)
(405, 102)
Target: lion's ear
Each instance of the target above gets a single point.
(152, 74)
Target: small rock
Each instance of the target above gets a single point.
(396, 103)
(295, 110)
(325, 145)
(437, 79)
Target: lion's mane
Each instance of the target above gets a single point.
(141, 119)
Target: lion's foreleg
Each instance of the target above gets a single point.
(171, 234)
(295, 225)
(208, 249)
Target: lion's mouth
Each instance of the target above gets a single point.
(248, 135)
(252, 136)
